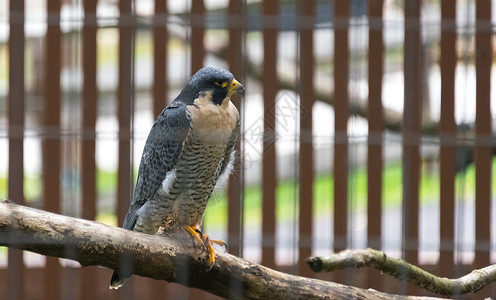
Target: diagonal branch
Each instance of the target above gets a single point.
(160, 257)
(402, 270)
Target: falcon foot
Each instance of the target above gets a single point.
(206, 243)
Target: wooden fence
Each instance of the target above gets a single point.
(54, 96)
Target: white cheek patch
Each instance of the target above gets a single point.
(169, 179)
(227, 171)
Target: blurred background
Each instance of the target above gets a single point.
(365, 124)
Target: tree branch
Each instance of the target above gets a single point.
(402, 270)
(160, 257)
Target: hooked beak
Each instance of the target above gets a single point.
(236, 88)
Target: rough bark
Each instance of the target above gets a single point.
(402, 270)
(172, 258)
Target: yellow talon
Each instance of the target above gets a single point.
(206, 242)
(194, 233)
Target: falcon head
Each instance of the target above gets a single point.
(219, 82)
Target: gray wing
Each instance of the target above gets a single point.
(160, 154)
(229, 149)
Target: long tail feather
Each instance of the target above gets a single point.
(117, 280)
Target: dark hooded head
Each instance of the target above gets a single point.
(219, 81)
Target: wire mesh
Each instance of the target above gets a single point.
(360, 127)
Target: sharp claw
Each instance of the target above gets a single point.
(206, 244)
(211, 267)
(225, 247)
(220, 243)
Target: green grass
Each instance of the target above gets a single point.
(107, 218)
(3, 186)
(287, 193)
(106, 182)
(32, 186)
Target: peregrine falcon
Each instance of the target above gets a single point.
(188, 148)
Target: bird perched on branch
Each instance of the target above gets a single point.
(188, 148)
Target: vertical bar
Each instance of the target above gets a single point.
(234, 199)
(235, 220)
(376, 130)
(90, 96)
(483, 151)
(307, 96)
(341, 113)
(270, 87)
(125, 94)
(160, 38)
(411, 130)
(16, 137)
(88, 148)
(124, 98)
(51, 142)
(160, 88)
(447, 135)
(197, 33)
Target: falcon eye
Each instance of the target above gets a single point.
(222, 84)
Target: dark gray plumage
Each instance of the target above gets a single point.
(189, 146)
